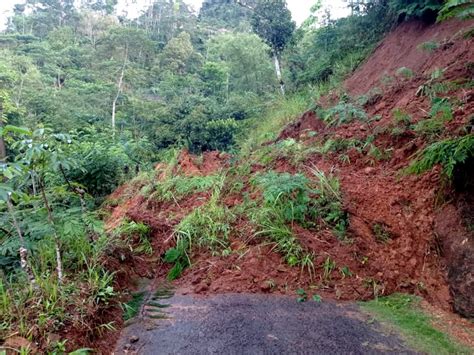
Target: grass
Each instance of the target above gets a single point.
(404, 313)
(178, 187)
(207, 227)
(279, 114)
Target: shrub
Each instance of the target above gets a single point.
(344, 112)
(441, 112)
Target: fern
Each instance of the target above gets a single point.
(343, 112)
(449, 153)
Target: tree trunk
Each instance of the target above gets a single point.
(59, 263)
(119, 90)
(23, 251)
(278, 72)
(3, 149)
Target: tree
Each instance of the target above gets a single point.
(177, 53)
(226, 13)
(245, 57)
(272, 21)
(106, 7)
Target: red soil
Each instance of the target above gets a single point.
(401, 49)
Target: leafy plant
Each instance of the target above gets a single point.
(344, 112)
(449, 153)
(317, 298)
(302, 295)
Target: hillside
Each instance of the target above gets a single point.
(228, 158)
(329, 206)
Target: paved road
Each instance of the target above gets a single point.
(257, 324)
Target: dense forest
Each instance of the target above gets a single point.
(90, 100)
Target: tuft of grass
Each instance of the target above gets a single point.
(429, 46)
(404, 313)
(382, 234)
(178, 187)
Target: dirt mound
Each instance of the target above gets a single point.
(304, 125)
(403, 48)
(207, 163)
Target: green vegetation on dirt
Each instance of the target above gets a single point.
(404, 313)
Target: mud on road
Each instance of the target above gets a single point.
(257, 324)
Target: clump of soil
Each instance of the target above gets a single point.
(206, 164)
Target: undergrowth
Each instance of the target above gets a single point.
(289, 199)
(279, 114)
(206, 227)
(178, 187)
(448, 153)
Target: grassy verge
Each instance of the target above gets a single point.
(403, 312)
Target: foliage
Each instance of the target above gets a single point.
(328, 52)
(344, 112)
(271, 20)
(294, 198)
(463, 9)
(422, 9)
(449, 153)
(441, 112)
(266, 127)
(404, 312)
(178, 186)
(206, 227)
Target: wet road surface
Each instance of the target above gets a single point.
(256, 324)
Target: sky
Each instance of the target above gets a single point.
(299, 8)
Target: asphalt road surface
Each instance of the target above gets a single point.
(256, 324)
